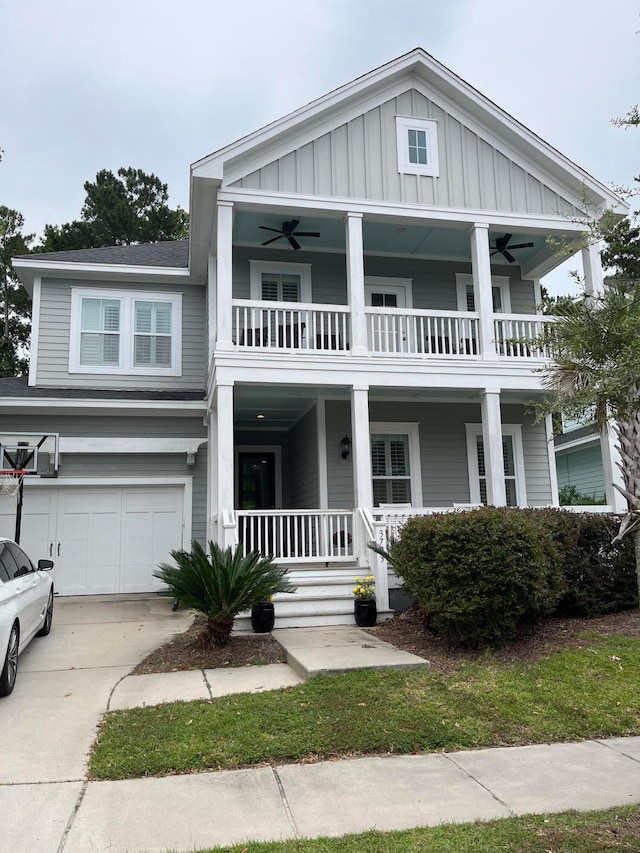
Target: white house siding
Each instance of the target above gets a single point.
(443, 450)
(54, 337)
(582, 468)
(303, 467)
(434, 282)
(358, 160)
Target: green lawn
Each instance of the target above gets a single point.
(585, 692)
(590, 832)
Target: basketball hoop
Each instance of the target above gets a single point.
(10, 482)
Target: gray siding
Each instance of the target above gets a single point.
(433, 282)
(443, 449)
(303, 470)
(582, 468)
(54, 336)
(358, 160)
(105, 425)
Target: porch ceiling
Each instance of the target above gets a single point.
(392, 238)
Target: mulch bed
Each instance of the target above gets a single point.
(405, 630)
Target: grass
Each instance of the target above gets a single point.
(586, 692)
(589, 832)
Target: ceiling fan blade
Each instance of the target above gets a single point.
(502, 241)
(289, 227)
(509, 256)
(522, 246)
(273, 240)
(266, 228)
(495, 252)
(307, 233)
(295, 245)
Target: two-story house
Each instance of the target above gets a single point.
(347, 337)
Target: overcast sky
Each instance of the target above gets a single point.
(89, 84)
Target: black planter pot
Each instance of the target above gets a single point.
(365, 612)
(263, 617)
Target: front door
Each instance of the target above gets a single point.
(257, 480)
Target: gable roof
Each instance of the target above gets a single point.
(170, 253)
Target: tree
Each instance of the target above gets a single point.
(130, 207)
(15, 305)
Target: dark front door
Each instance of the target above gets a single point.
(257, 485)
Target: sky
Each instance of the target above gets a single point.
(158, 85)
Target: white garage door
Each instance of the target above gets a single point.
(102, 540)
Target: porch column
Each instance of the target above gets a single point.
(612, 474)
(212, 296)
(225, 456)
(483, 296)
(492, 443)
(551, 453)
(361, 447)
(224, 229)
(355, 283)
(212, 476)
(592, 265)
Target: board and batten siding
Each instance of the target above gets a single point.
(433, 282)
(443, 449)
(582, 468)
(55, 332)
(358, 160)
(303, 468)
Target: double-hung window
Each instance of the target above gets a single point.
(512, 461)
(273, 281)
(125, 332)
(395, 464)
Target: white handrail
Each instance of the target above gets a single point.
(298, 535)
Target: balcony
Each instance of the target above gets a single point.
(410, 333)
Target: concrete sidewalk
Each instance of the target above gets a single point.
(186, 813)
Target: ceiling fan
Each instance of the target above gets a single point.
(288, 230)
(502, 247)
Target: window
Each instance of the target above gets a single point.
(280, 282)
(417, 142)
(125, 332)
(499, 291)
(513, 461)
(385, 292)
(395, 464)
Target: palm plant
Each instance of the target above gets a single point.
(221, 584)
(596, 347)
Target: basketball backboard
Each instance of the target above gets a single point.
(34, 453)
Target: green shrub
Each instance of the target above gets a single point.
(599, 575)
(478, 575)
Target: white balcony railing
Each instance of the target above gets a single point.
(393, 331)
(285, 325)
(518, 336)
(298, 535)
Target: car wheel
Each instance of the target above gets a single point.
(10, 668)
(48, 618)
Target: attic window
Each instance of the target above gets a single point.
(417, 141)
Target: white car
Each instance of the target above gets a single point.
(26, 607)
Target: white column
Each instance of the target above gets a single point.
(225, 457)
(592, 266)
(212, 296)
(355, 283)
(212, 476)
(483, 296)
(224, 226)
(492, 443)
(612, 473)
(361, 447)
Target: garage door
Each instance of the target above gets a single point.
(102, 540)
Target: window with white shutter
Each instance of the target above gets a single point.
(512, 460)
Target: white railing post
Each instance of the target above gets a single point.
(379, 566)
(229, 530)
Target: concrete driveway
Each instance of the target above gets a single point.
(49, 722)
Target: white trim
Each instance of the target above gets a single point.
(173, 407)
(430, 128)
(412, 430)
(513, 430)
(276, 449)
(553, 472)
(127, 299)
(283, 268)
(70, 444)
(321, 428)
(387, 284)
(463, 280)
(35, 330)
(584, 441)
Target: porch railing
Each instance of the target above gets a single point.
(422, 333)
(518, 336)
(298, 535)
(294, 326)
